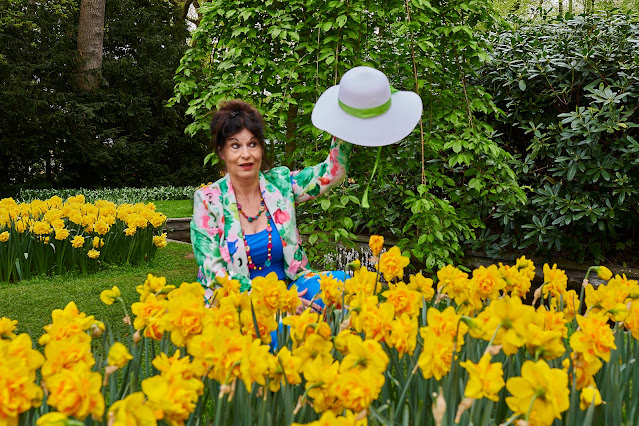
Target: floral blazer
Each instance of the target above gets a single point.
(215, 228)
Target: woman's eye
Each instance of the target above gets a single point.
(235, 146)
(253, 145)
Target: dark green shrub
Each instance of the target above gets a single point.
(570, 92)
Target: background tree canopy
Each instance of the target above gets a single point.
(56, 135)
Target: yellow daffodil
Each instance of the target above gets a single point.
(66, 322)
(485, 380)
(186, 313)
(376, 243)
(506, 319)
(154, 285)
(403, 335)
(608, 299)
(18, 365)
(526, 267)
(65, 354)
(437, 354)
(53, 419)
(110, 296)
(306, 324)
(132, 410)
(93, 254)
(78, 241)
(603, 272)
(362, 281)
(392, 264)
(287, 370)
(589, 395)
(555, 281)
(541, 391)
(76, 392)
(517, 283)
(267, 293)
(452, 282)
(4, 237)
(487, 282)
(119, 355)
(332, 290)
(544, 344)
(7, 327)
(594, 338)
(61, 234)
(423, 285)
(159, 240)
(403, 299)
(41, 228)
(101, 227)
(256, 364)
(356, 389)
(148, 315)
(173, 398)
(364, 354)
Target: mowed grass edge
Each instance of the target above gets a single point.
(174, 208)
(31, 301)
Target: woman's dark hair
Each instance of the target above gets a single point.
(231, 118)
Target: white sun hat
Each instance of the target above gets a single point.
(364, 109)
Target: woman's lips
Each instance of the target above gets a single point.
(246, 166)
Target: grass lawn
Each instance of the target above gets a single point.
(174, 208)
(31, 302)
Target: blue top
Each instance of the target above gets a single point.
(259, 253)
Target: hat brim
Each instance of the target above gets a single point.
(385, 129)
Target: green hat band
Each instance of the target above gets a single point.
(367, 112)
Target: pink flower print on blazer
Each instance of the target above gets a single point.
(281, 217)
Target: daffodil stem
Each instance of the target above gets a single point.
(493, 338)
(581, 292)
(126, 314)
(405, 390)
(532, 401)
(376, 280)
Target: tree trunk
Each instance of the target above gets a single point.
(90, 40)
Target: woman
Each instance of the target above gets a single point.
(244, 224)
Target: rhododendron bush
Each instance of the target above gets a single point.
(456, 347)
(56, 236)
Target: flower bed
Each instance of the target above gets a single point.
(402, 350)
(56, 236)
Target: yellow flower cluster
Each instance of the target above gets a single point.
(73, 388)
(18, 365)
(77, 226)
(452, 322)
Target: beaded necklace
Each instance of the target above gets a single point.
(259, 213)
(269, 246)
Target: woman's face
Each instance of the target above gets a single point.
(242, 155)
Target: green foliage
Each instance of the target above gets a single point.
(570, 89)
(282, 55)
(115, 195)
(55, 135)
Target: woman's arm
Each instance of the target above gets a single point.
(313, 181)
(207, 237)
